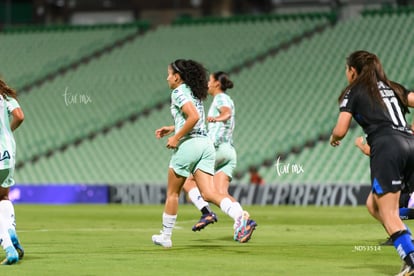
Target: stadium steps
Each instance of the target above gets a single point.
(78, 140)
(301, 61)
(344, 163)
(35, 55)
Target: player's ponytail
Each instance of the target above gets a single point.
(224, 80)
(7, 91)
(369, 72)
(194, 75)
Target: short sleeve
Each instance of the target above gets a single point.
(347, 104)
(222, 101)
(179, 98)
(12, 104)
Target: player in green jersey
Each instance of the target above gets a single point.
(193, 151)
(221, 122)
(11, 116)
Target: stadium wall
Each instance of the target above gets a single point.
(282, 194)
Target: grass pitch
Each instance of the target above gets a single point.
(116, 240)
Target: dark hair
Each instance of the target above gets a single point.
(5, 90)
(223, 78)
(370, 71)
(194, 75)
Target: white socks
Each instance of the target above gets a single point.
(197, 199)
(6, 222)
(168, 222)
(233, 209)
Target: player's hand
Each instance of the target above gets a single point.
(163, 131)
(211, 119)
(333, 142)
(172, 142)
(359, 142)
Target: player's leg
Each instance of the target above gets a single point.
(222, 183)
(226, 161)
(12, 222)
(203, 175)
(388, 210)
(373, 210)
(169, 217)
(205, 184)
(233, 209)
(6, 221)
(372, 207)
(243, 228)
(207, 215)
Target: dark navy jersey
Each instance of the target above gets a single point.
(373, 117)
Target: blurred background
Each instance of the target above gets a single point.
(91, 79)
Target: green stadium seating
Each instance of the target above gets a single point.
(29, 55)
(281, 102)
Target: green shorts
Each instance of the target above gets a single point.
(193, 154)
(6, 177)
(226, 159)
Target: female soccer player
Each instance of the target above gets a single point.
(8, 237)
(405, 212)
(221, 122)
(378, 105)
(193, 151)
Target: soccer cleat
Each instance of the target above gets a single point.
(240, 224)
(403, 270)
(205, 220)
(390, 242)
(387, 242)
(11, 256)
(248, 231)
(244, 228)
(16, 243)
(163, 240)
(406, 270)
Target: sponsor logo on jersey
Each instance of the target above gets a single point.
(344, 103)
(5, 155)
(396, 182)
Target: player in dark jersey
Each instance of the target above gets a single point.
(378, 105)
(405, 210)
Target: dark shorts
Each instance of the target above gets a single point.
(392, 163)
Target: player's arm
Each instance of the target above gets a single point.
(192, 118)
(410, 97)
(341, 128)
(17, 118)
(225, 114)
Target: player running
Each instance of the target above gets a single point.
(9, 107)
(221, 122)
(378, 105)
(194, 152)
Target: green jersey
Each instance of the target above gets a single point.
(7, 143)
(180, 96)
(221, 132)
